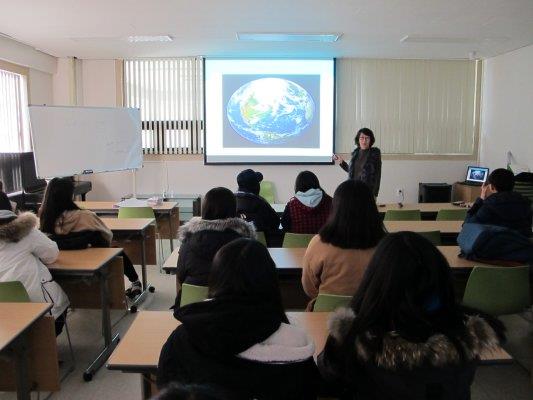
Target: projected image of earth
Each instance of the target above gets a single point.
(270, 110)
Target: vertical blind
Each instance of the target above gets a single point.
(169, 93)
(413, 106)
(14, 125)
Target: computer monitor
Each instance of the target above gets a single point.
(477, 175)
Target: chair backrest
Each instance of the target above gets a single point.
(402, 215)
(192, 294)
(13, 292)
(451, 215)
(136, 212)
(330, 302)
(266, 191)
(498, 290)
(297, 239)
(432, 236)
(525, 189)
(261, 238)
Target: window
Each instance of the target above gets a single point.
(421, 107)
(169, 93)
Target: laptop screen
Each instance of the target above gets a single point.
(477, 174)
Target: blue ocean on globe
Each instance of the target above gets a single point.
(270, 110)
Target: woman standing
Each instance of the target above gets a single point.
(365, 164)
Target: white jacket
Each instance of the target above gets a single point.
(23, 250)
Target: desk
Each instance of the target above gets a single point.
(91, 263)
(17, 320)
(139, 350)
(445, 227)
(167, 209)
(133, 227)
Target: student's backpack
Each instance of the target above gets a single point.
(490, 242)
(79, 240)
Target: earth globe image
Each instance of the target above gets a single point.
(270, 110)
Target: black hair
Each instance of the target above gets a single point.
(354, 221)
(367, 132)
(502, 180)
(219, 203)
(244, 268)
(58, 198)
(407, 288)
(177, 391)
(306, 180)
(5, 204)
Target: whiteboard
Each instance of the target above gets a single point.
(81, 140)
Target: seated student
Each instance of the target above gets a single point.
(309, 209)
(404, 335)
(59, 215)
(23, 250)
(240, 338)
(499, 205)
(176, 391)
(5, 203)
(252, 207)
(336, 258)
(201, 237)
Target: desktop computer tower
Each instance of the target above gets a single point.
(434, 193)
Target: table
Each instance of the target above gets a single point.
(92, 263)
(139, 350)
(133, 227)
(16, 321)
(445, 227)
(167, 208)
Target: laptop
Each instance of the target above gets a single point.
(476, 176)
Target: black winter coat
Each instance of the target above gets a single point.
(403, 370)
(507, 209)
(255, 209)
(200, 240)
(241, 346)
(371, 173)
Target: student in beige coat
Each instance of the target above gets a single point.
(337, 257)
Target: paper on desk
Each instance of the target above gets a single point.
(132, 203)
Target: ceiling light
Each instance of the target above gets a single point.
(159, 38)
(288, 37)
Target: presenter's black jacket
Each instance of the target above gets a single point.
(371, 172)
(253, 208)
(388, 366)
(200, 240)
(241, 345)
(507, 209)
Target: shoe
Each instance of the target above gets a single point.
(134, 290)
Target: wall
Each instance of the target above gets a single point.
(507, 113)
(187, 174)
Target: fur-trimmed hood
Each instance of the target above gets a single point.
(436, 351)
(18, 228)
(197, 224)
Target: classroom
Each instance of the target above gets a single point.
(156, 118)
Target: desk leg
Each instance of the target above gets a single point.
(20, 349)
(110, 341)
(170, 231)
(146, 286)
(146, 386)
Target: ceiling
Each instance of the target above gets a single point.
(95, 29)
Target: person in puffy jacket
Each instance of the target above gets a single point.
(309, 209)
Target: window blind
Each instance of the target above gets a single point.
(169, 93)
(14, 122)
(413, 106)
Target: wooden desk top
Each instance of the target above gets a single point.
(139, 350)
(110, 205)
(16, 317)
(127, 224)
(87, 260)
(423, 207)
(172, 260)
(424, 226)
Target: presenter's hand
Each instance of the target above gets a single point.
(337, 158)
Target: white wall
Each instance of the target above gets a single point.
(40, 87)
(187, 175)
(507, 109)
(21, 54)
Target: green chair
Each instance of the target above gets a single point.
(13, 292)
(261, 238)
(266, 191)
(192, 294)
(432, 236)
(403, 215)
(330, 302)
(451, 215)
(297, 239)
(498, 290)
(136, 212)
